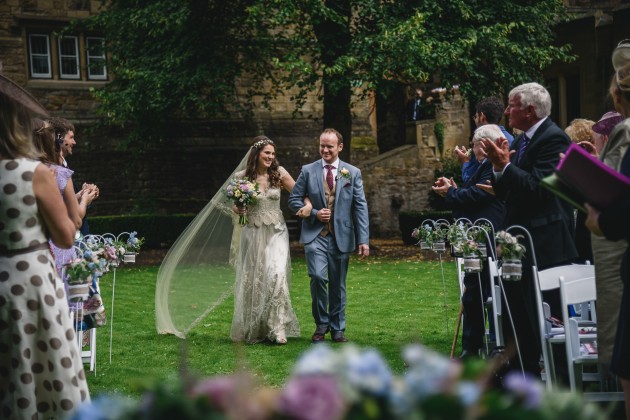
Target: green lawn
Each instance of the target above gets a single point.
(390, 303)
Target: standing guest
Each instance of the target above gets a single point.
(64, 137)
(487, 111)
(579, 131)
(609, 251)
(473, 203)
(328, 234)
(518, 171)
(602, 129)
(262, 304)
(415, 105)
(41, 372)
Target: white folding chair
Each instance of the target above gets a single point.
(546, 280)
(88, 356)
(574, 292)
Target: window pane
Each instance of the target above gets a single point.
(40, 65)
(39, 44)
(67, 46)
(68, 66)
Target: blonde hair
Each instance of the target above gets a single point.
(580, 130)
(15, 130)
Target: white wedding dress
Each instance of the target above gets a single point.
(262, 304)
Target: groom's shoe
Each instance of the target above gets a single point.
(338, 337)
(320, 334)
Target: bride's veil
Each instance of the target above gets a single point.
(197, 273)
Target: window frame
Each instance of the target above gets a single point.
(32, 56)
(75, 56)
(89, 57)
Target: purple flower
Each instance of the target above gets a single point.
(311, 398)
(220, 390)
(525, 386)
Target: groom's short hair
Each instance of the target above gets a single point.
(335, 132)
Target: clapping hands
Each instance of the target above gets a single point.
(442, 185)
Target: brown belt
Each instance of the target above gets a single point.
(13, 252)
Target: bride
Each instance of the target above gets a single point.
(195, 275)
(262, 305)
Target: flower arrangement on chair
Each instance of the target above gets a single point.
(424, 235)
(456, 234)
(79, 274)
(510, 251)
(472, 251)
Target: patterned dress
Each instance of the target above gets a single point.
(41, 373)
(262, 304)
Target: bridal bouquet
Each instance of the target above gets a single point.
(242, 192)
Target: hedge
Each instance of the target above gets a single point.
(409, 220)
(159, 231)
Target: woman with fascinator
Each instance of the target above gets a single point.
(198, 271)
(613, 223)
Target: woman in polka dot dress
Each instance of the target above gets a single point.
(41, 372)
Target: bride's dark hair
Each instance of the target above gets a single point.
(250, 171)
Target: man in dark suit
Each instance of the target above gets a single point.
(518, 171)
(473, 203)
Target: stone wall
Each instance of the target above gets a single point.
(400, 180)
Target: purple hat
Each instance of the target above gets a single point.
(607, 122)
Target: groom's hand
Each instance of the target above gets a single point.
(364, 251)
(323, 215)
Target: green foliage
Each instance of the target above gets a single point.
(174, 60)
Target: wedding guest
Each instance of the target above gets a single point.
(579, 130)
(338, 221)
(65, 140)
(473, 203)
(262, 303)
(41, 372)
(517, 171)
(602, 129)
(76, 205)
(487, 111)
(608, 254)
(415, 105)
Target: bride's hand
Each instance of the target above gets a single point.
(239, 210)
(305, 211)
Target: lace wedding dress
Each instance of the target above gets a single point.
(262, 304)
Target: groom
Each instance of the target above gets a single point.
(328, 234)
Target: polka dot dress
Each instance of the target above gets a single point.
(41, 372)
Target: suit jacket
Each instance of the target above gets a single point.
(548, 219)
(350, 212)
(473, 203)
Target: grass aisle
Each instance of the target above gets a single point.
(390, 303)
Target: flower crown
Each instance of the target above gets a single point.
(261, 143)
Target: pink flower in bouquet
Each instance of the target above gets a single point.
(312, 398)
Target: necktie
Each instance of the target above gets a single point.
(521, 150)
(329, 177)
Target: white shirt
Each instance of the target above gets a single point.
(335, 165)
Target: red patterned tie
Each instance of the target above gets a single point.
(329, 177)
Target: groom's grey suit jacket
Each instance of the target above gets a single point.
(350, 210)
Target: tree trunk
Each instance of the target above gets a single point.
(334, 41)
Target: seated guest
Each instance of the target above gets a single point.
(473, 203)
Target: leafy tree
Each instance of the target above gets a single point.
(175, 59)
